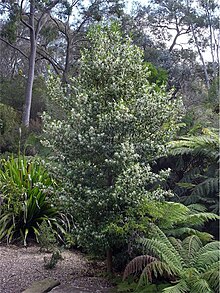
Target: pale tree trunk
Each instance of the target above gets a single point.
(201, 57)
(36, 20)
(35, 27)
(198, 47)
(29, 87)
(31, 66)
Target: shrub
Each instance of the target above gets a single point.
(113, 123)
(9, 135)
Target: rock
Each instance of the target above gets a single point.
(73, 289)
(42, 286)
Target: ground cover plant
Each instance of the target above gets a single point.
(27, 192)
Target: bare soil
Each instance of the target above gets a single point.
(20, 267)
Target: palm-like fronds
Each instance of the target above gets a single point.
(206, 145)
(201, 285)
(180, 287)
(202, 172)
(187, 221)
(155, 269)
(138, 264)
(191, 264)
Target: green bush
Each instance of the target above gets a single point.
(27, 194)
(113, 123)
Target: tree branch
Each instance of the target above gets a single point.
(14, 47)
(24, 22)
(51, 60)
(46, 10)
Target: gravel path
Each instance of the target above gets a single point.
(20, 267)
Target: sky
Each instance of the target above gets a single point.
(129, 3)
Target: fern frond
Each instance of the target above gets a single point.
(212, 246)
(211, 275)
(180, 287)
(200, 286)
(164, 253)
(205, 145)
(207, 255)
(177, 243)
(137, 264)
(186, 231)
(155, 269)
(191, 174)
(215, 207)
(198, 219)
(207, 187)
(191, 246)
(206, 259)
(158, 234)
(196, 207)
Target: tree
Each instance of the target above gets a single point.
(183, 34)
(50, 31)
(71, 25)
(33, 17)
(112, 125)
(194, 267)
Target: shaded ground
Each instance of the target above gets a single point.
(20, 267)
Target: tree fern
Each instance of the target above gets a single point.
(208, 188)
(211, 275)
(207, 259)
(200, 182)
(191, 245)
(188, 221)
(180, 287)
(155, 269)
(197, 219)
(138, 264)
(181, 231)
(205, 145)
(189, 263)
(165, 253)
(200, 285)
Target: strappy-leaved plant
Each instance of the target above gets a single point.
(26, 192)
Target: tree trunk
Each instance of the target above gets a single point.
(29, 87)
(31, 67)
(109, 261)
(201, 58)
(67, 63)
(198, 48)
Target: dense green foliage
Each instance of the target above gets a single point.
(189, 263)
(9, 134)
(114, 123)
(201, 177)
(26, 199)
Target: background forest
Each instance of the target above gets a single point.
(109, 139)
